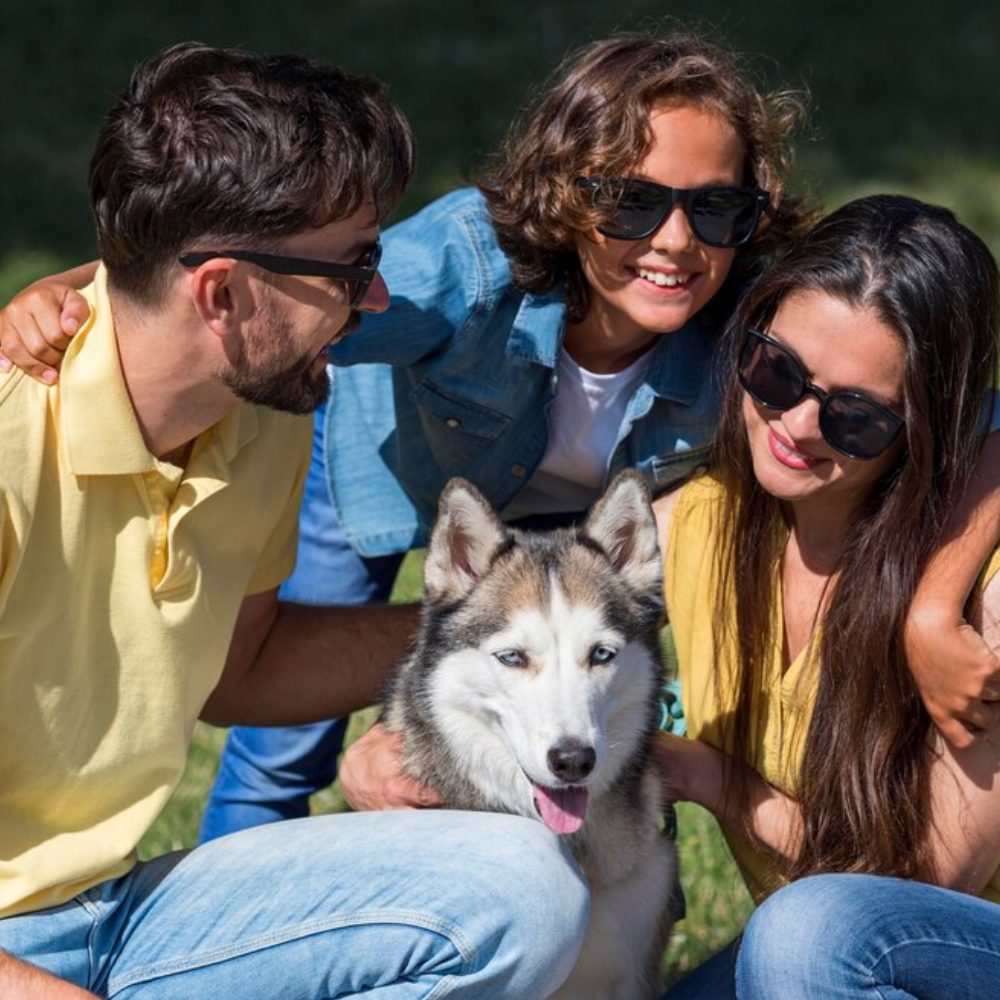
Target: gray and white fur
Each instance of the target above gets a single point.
(532, 689)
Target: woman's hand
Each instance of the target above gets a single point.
(372, 775)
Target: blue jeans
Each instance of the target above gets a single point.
(268, 774)
(847, 937)
(858, 937)
(395, 905)
(712, 980)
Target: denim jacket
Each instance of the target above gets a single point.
(457, 378)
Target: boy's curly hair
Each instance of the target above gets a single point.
(593, 119)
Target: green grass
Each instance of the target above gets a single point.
(717, 902)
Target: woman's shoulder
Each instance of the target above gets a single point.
(686, 516)
(700, 496)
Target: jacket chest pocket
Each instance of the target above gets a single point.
(458, 430)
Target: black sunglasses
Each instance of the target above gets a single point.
(718, 216)
(849, 421)
(361, 275)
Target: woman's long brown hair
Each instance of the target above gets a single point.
(864, 781)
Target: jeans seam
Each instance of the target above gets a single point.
(312, 927)
(923, 940)
(91, 909)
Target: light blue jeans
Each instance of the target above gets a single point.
(393, 905)
(858, 937)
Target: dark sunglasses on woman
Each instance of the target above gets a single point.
(719, 216)
(851, 422)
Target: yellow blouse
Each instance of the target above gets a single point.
(782, 715)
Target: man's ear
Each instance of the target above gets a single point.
(217, 290)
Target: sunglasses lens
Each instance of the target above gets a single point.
(633, 209)
(857, 427)
(719, 216)
(360, 286)
(359, 289)
(773, 377)
(724, 217)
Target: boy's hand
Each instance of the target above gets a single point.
(372, 775)
(37, 326)
(956, 673)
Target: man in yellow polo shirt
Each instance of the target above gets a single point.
(148, 509)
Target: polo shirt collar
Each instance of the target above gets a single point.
(97, 420)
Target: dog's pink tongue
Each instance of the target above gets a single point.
(562, 809)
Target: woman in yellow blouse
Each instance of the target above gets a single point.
(863, 358)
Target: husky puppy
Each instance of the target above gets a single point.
(532, 689)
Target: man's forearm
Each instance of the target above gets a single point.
(21, 981)
(315, 663)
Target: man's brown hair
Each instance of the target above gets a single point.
(233, 147)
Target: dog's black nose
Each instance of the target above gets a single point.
(571, 761)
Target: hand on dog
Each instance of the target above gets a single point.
(372, 775)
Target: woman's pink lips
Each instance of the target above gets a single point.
(793, 458)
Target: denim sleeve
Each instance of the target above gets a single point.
(437, 265)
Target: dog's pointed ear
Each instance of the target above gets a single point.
(622, 523)
(466, 535)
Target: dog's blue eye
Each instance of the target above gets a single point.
(511, 657)
(602, 654)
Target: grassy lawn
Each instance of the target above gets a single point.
(904, 97)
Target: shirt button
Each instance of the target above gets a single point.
(519, 471)
(452, 422)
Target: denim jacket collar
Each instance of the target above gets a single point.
(680, 363)
(538, 329)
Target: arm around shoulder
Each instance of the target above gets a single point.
(957, 674)
(38, 324)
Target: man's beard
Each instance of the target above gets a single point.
(261, 373)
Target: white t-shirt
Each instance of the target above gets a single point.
(584, 423)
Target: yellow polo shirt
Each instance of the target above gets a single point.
(784, 710)
(120, 580)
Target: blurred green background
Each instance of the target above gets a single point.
(905, 97)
